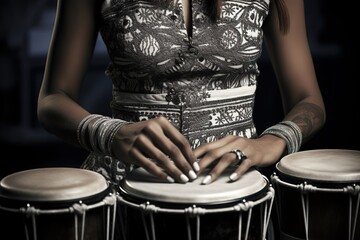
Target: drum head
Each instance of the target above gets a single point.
(323, 165)
(52, 185)
(141, 185)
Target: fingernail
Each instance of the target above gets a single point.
(196, 166)
(184, 178)
(207, 179)
(192, 174)
(233, 177)
(170, 179)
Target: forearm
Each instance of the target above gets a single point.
(60, 115)
(309, 116)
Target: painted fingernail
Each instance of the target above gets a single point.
(207, 179)
(184, 178)
(170, 179)
(233, 177)
(192, 175)
(196, 166)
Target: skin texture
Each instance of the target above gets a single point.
(74, 36)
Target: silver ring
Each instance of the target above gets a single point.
(239, 155)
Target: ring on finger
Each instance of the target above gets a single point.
(240, 155)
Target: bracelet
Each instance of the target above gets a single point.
(101, 133)
(81, 130)
(288, 131)
(94, 133)
(112, 134)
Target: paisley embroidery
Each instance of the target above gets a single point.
(148, 44)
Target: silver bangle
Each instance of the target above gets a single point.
(288, 131)
(101, 133)
(82, 129)
(112, 134)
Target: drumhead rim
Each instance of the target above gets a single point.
(218, 204)
(314, 182)
(55, 204)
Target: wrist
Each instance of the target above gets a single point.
(277, 144)
(96, 133)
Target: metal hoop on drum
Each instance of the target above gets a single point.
(193, 210)
(18, 200)
(321, 179)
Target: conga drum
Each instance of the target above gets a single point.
(317, 195)
(56, 203)
(152, 209)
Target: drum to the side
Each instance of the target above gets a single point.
(317, 195)
(151, 209)
(56, 203)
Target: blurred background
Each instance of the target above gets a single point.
(25, 31)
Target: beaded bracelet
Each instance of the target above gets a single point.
(288, 131)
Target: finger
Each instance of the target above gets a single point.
(239, 171)
(224, 162)
(210, 158)
(173, 150)
(142, 161)
(163, 160)
(181, 142)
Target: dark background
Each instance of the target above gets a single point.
(24, 37)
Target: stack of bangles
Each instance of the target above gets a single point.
(288, 131)
(101, 132)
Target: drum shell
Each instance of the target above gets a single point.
(328, 214)
(213, 226)
(58, 226)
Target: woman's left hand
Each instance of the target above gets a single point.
(220, 154)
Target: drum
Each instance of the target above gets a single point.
(152, 209)
(317, 194)
(56, 203)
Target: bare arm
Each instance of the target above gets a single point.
(294, 69)
(71, 47)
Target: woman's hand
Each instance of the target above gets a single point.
(262, 152)
(158, 147)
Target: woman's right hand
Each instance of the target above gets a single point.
(158, 147)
